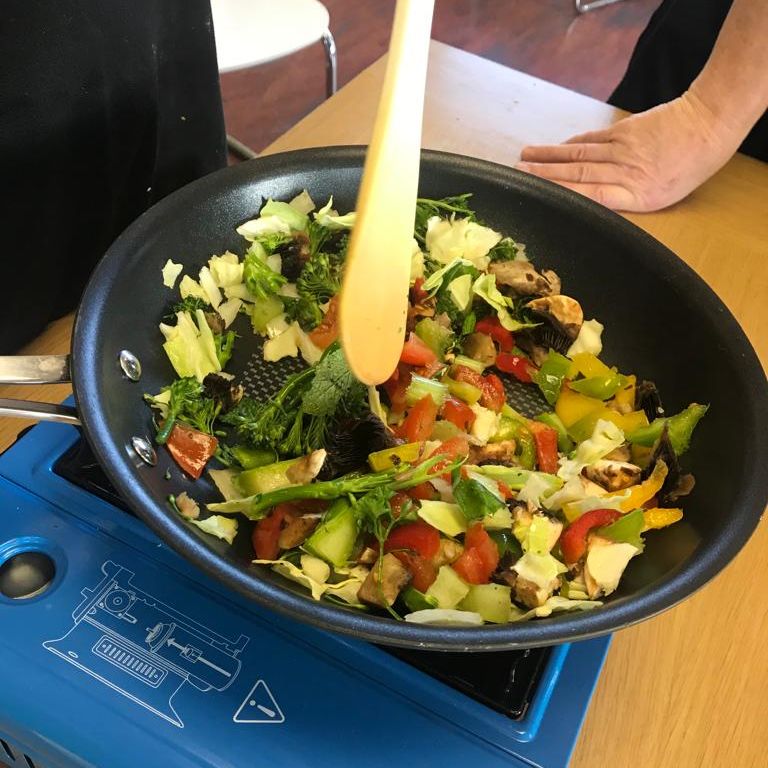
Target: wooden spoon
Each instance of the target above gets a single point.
(374, 295)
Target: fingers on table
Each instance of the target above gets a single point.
(569, 153)
(586, 173)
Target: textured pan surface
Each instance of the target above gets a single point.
(662, 322)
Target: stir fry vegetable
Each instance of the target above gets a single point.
(430, 498)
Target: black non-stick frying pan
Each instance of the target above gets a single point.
(661, 321)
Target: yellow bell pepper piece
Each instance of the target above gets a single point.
(392, 457)
(661, 517)
(573, 406)
(645, 491)
(624, 400)
(587, 364)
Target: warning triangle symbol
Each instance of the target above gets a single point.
(259, 706)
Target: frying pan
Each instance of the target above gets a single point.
(661, 322)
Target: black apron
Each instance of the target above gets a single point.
(669, 55)
(106, 106)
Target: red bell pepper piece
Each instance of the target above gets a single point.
(419, 536)
(328, 330)
(420, 421)
(451, 449)
(267, 531)
(516, 365)
(494, 329)
(423, 571)
(416, 352)
(573, 540)
(458, 413)
(546, 446)
(191, 449)
(417, 292)
(395, 387)
(490, 386)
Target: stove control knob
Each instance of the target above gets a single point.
(26, 575)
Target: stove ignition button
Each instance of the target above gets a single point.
(26, 575)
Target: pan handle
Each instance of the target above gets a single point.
(22, 409)
(34, 369)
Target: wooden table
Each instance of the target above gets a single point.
(688, 688)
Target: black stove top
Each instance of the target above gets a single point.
(503, 680)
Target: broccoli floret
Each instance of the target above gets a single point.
(190, 304)
(259, 278)
(188, 404)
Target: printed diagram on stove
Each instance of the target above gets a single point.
(143, 648)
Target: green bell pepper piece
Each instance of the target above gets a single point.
(680, 428)
(600, 387)
(551, 375)
(249, 458)
(626, 529)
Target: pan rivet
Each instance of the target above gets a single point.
(144, 448)
(130, 365)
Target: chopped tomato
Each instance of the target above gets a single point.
(430, 369)
(451, 449)
(328, 330)
(416, 352)
(395, 387)
(458, 413)
(398, 502)
(497, 332)
(546, 446)
(422, 491)
(480, 556)
(417, 292)
(490, 386)
(493, 396)
(423, 571)
(516, 365)
(191, 449)
(477, 538)
(420, 420)
(419, 537)
(470, 567)
(573, 540)
(267, 531)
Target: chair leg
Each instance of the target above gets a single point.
(582, 6)
(331, 79)
(239, 149)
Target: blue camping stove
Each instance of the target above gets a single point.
(116, 653)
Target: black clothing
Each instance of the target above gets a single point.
(669, 55)
(105, 107)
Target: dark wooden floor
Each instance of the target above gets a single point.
(545, 38)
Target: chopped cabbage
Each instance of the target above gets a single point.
(303, 202)
(283, 345)
(229, 310)
(445, 617)
(226, 273)
(461, 291)
(485, 288)
(541, 569)
(208, 284)
(417, 262)
(588, 340)
(449, 239)
(224, 480)
(606, 437)
(435, 280)
(446, 517)
(191, 348)
(265, 225)
(330, 219)
(190, 287)
(486, 423)
(170, 272)
(221, 527)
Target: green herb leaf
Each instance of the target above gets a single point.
(475, 500)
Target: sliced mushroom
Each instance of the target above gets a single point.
(449, 552)
(188, 507)
(480, 347)
(384, 591)
(297, 530)
(494, 453)
(613, 475)
(523, 280)
(562, 311)
(215, 322)
(528, 592)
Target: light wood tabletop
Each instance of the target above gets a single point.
(687, 688)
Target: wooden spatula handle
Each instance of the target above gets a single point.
(374, 297)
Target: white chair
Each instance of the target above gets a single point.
(253, 32)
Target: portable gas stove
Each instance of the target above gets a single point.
(115, 652)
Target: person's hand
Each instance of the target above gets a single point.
(641, 163)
